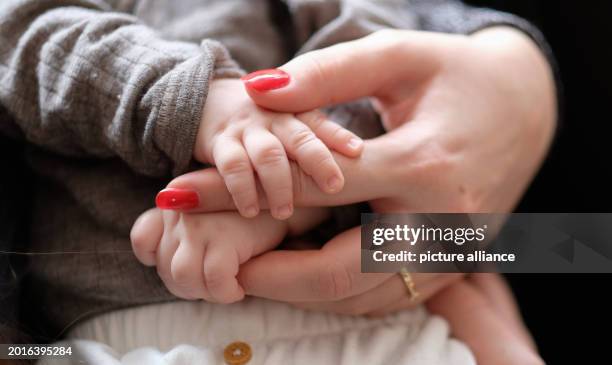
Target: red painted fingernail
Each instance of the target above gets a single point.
(177, 199)
(265, 80)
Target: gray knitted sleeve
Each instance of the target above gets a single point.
(81, 80)
(453, 16)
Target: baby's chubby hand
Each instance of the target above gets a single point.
(242, 139)
(198, 256)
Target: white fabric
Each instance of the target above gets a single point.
(185, 333)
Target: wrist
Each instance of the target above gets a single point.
(223, 100)
(205, 140)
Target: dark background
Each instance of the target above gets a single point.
(569, 315)
(564, 312)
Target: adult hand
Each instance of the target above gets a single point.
(483, 314)
(470, 120)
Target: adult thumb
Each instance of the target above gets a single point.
(376, 65)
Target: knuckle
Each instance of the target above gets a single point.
(340, 134)
(314, 119)
(231, 198)
(192, 229)
(283, 193)
(321, 72)
(235, 166)
(182, 274)
(335, 282)
(215, 278)
(272, 155)
(302, 138)
(299, 180)
(316, 68)
(314, 153)
(325, 161)
(437, 164)
(244, 196)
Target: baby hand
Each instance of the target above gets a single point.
(238, 137)
(198, 255)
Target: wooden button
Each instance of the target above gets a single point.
(237, 353)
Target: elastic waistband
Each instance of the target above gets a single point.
(211, 325)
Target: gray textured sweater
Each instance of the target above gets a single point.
(109, 94)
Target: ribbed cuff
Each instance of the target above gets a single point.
(183, 101)
(458, 18)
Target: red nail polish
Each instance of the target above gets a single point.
(177, 199)
(265, 80)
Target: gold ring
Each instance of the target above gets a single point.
(413, 294)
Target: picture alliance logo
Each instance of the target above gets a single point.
(413, 235)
